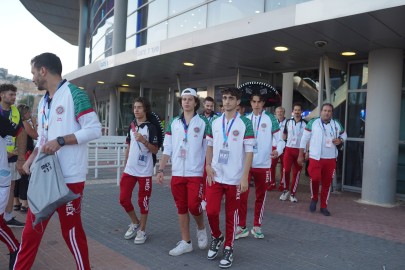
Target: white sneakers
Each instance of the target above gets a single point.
(181, 248)
(184, 247)
(241, 232)
(257, 232)
(284, 195)
(293, 199)
(202, 238)
(131, 231)
(140, 237)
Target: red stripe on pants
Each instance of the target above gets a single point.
(214, 195)
(7, 236)
(72, 232)
(260, 176)
(127, 186)
(274, 162)
(321, 172)
(290, 159)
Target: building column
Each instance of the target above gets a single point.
(120, 26)
(113, 113)
(382, 126)
(287, 93)
(84, 12)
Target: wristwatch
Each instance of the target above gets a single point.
(61, 141)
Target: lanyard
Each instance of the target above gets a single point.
(47, 100)
(258, 124)
(226, 134)
(332, 134)
(185, 126)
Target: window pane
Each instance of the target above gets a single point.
(358, 76)
(152, 13)
(157, 33)
(178, 6)
(275, 4)
(223, 11)
(188, 22)
(131, 24)
(130, 44)
(354, 163)
(356, 115)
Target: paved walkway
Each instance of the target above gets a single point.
(356, 236)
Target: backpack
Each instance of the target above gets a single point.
(154, 119)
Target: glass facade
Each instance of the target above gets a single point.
(101, 27)
(151, 21)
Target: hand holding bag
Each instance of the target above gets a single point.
(47, 189)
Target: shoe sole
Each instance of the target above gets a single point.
(139, 243)
(128, 238)
(15, 226)
(211, 258)
(225, 266)
(243, 235)
(188, 251)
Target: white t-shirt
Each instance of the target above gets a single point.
(228, 160)
(294, 131)
(320, 136)
(187, 156)
(267, 133)
(140, 159)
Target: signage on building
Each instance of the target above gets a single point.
(106, 63)
(148, 50)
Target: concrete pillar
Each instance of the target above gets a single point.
(287, 95)
(84, 12)
(120, 26)
(113, 113)
(382, 126)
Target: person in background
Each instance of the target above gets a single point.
(293, 131)
(142, 143)
(21, 186)
(210, 115)
(267, 133)
(8, 93)
(280, 115)
(324, 135)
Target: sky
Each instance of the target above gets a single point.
(23, 37)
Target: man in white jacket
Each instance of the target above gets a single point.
(325, 135)
(66, 123)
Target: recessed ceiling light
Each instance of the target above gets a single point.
(281, 48)
(130, 75)
(125, 85)
(81, 87)
(348, 53)
(188, 64)
(257, 11)
(100, 82)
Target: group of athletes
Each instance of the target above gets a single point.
(213, 158)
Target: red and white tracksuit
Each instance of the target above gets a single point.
(127, 186)
(187, 194)
(290, 159)
(72, 231)
(322, 155)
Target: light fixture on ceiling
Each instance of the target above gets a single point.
(124, 85)
(100, 82)
(81, 87)
(130, 75)
(281, 49)
(348, 53)
(188, 64)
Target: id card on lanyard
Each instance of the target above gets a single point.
(328, 139)
(255, 146)
(224, 153)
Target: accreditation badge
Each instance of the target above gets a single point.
(328, 142)
(142, 160)
(294, 140)
(9, 140)
(223, 156)
(182, 152)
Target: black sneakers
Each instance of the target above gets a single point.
(13, 256)
(214, 247)
(325, 212)
(227, 258)
(13, 223)
(312, 206)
